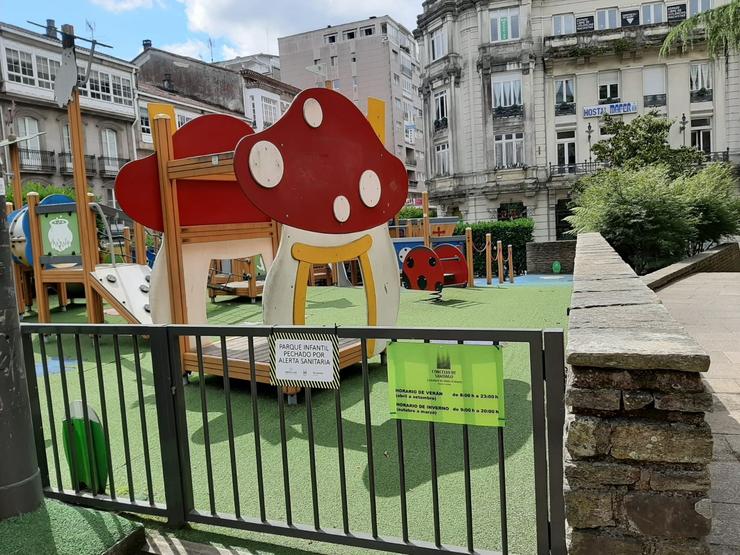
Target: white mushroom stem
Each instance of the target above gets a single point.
(279, 296)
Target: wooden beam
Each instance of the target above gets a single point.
(42, 294)
(140, 243)
(15, 169)
(426, 229)
(488, 259)
(469, 256)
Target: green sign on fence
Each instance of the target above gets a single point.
(60, 234)
(456, 384)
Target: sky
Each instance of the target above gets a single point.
(234, 27)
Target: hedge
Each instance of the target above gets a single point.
(510, 232)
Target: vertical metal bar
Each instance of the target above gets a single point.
(33, 395)
(342, 469)
(284, 452)
(539, 444)
(435, 484)
(124, 417)
(402, 481)
(104, 414)
(369, 436)
(468, 489)
(142, 416)
(555, 384)
(230, 429)
(67, 416)
(50, 408)
(204, 415)
(92, 459)
(502, 493)
(312, 458)
(256, 426)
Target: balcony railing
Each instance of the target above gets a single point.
(610, 100)
(702, 95)
(515, 111)
(654, 100)
(411, 162)
(565, 109)
(721, 156)
(109, 167)
(581, 168)
(42, 161)
(65, 163)
(440, 124)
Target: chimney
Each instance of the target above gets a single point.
(146, 43)
(51, 29)
(167, 82)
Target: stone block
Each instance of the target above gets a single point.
(634, 400)
(680, 480)
(587, 508)
(647, 316)
(594, 474)
(587, 437)
(682, 547)
(640, 440)
(684, 402)
(597, 543)
(596, 399)
(666, 516)
(612, 298)
(660, 380)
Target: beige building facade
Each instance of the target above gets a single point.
(514, 93)
(375, 58)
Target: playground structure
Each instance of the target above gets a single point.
(316, 188)
(503, 268)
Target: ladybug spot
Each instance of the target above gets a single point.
(421, 281)
(438, 286)
(432, 261)
(409, 261)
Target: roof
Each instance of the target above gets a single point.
(149, 89)
(330, 28)
(151, 49)
(268, 81)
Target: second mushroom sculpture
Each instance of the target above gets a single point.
(322, 172)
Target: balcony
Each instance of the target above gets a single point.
(654, 100)
(65, 163)
(411, 162)
(565, 109)
(515, 111)
(37, 161)
(582, 168)
(702, 95)
(610, 100)
(109, 167)
(440, 124)
(721, 156)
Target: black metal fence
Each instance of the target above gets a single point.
(176, 449)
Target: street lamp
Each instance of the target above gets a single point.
(682, 127)
(589, 132)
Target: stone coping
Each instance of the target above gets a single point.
(704, 261)
(617, 321)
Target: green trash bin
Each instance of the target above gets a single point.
(556, 267)
(89, 474)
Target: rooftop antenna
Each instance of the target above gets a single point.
(90, 27)
(210, 47)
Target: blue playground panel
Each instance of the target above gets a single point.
(53, 366)
(404, 244)
(531, 280)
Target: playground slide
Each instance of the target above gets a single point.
(126, 288)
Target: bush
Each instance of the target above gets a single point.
(516, 233)
(44, 190)
(412, 212)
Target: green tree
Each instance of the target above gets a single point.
(643, 142)
(718, 27)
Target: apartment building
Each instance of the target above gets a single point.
(266, 64)
(29, 62)
(514, 93)
(376, 57)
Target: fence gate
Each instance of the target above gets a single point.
(220, 448)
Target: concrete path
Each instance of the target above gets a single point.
(708, 305)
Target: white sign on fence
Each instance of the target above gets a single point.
(304, 360)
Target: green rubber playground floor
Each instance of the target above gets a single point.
(512, 307)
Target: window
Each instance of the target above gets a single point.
(67, 147)
(701, 76)
(442, 159)
(99, 85)
(349, 35)
(121, 88)
(28, 126)
(410, 133)
(505, 24)
(333, 61)
(563, 24)
(269, 111)
(564, 91)
(335, 84)
(566, 145)
(367, 31)
(509, 149)
(440, 106)
(80, 78)
(562, 226)
(701, 134)
(511, 211)
(355, 90)
(330, 39)
(407, 86)
(607, 19)
(507, 90)
(145, 124)
(182, 119)
(438, 43)
(653, 86)
(408, 111)
(46, 70)
(653, 13)
(20, 66)
(110, 149)
(396, 79)
(284, 106)
(608, 87)
(699, 6)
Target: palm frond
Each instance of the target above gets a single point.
(719, 28)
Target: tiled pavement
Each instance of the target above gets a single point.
(708, 305)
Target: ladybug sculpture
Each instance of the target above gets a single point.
(430, 270)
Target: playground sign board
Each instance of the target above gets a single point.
(453, 384)
(59, 234)
(304, 360)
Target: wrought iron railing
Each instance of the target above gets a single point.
(654, 100)
(43, 161)
(109, 167)
(440, 124)
(517, 110)
(565, 109)
(702, 95)
(580, 168)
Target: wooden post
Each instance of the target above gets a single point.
(17, 272)
(140, 244)
(488, 259)
(86, 224)
(500, 261)
(42, 296)
(62, 296)
(127, 244)
(469, 255)
(511, 264)
(15, 168)
(425, 231)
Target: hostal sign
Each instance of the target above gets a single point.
(615, 109)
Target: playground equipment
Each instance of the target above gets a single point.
(499, 257)
(242, 277)
(320, 172)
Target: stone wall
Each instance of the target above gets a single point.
(540, 256)
(637, 444)
(723, 258)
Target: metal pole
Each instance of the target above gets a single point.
(20, 479)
